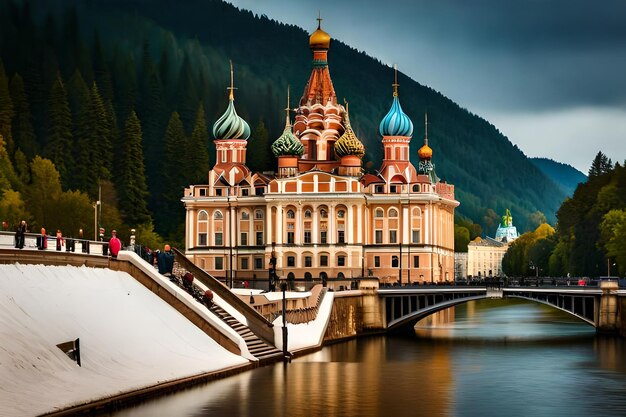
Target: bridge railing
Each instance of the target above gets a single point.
(32, 241)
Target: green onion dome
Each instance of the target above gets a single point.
(287, 144)
(348, 143)
(230, 125)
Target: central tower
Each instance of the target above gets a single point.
(319, 117)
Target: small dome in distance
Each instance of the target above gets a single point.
(319, 39)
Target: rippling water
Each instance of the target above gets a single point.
(485, 358)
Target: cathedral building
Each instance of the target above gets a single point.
(319, 215)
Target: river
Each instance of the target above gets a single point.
(485, 358)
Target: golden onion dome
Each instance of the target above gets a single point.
(348, 143)
(319, 39)
(425, 152)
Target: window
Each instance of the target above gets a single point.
(416, 261)
(379, 236)
(218, 215)
(244, 239)
(341, 236)
(323, 237)
(259, 238)
(258, 191)
(290, 239)
(376, 261)
(393, 189)
(393, 213)
(323, 260)
(291, 214)
(415, 236)
(258, 214)
(202, 192)
(416, 188)
(341, 261)
(244, 192)
(244, 263)
(307, 214)
(291, 261)
(394, 261)
(218, 238)
(341, 214)
(219, 263)
(203, 226)
(308, 261)
(379, 213)
(218, 192)
(245, 215)
(323, 214)
(379, 189)
(307, 236)
(201, 239)
(393, 236)
(258, 263)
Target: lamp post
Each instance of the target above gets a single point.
(283, 288)
(95, 219)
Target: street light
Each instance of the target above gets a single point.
(95, 219)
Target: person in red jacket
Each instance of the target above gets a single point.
(114, 244)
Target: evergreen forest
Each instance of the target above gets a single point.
(113, 101)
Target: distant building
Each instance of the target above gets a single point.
(460, 266)
(319, 214)
(484, 256)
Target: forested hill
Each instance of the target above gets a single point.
(566, 176)
(168, 61)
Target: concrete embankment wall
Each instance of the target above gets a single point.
(355, 313)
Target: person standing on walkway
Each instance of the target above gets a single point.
(20, 235)
(59, 239)
(114, 244)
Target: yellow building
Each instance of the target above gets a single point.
(322, 217)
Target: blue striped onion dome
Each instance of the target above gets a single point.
(287, 144)
(396, 123)
(230, 125)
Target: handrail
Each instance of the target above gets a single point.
(258, 324)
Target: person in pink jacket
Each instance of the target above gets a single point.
(114, 244)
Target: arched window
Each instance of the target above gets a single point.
(393, 213)
(379, 213)
(416, 188)
(218, 215)
(203, 227)
(307, 214)
(341, 214)
(323, 214)
(291, 214)
(245, 215)
(394, 262)
(258, 214)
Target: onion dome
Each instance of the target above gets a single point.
(230, 125)
(287, 144)
(425, 152)
(348, 143)
(319, 39)
(396, 123)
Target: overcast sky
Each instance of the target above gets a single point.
(551, 75)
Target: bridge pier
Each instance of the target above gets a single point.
(609, 314)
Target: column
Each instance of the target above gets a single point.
(268, 225)
(279, 224)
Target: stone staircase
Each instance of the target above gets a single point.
(257, 347)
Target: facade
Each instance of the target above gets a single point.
(484, 256)
(319, 214)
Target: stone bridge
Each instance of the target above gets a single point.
(597, 306)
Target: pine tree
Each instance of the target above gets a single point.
(6, 111)
(187, 97)
(198, 155)
(259, 146)
(23, 132)
(59, 147)
(169, 211)
(102, 75)
(131, 177)
(600, 165)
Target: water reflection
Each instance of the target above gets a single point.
(484, 358)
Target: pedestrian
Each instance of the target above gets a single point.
(20, 235)
(59, 239)
(114, 244)
(245, 284)
(5, 225)
(165, 261)
(43, 239)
